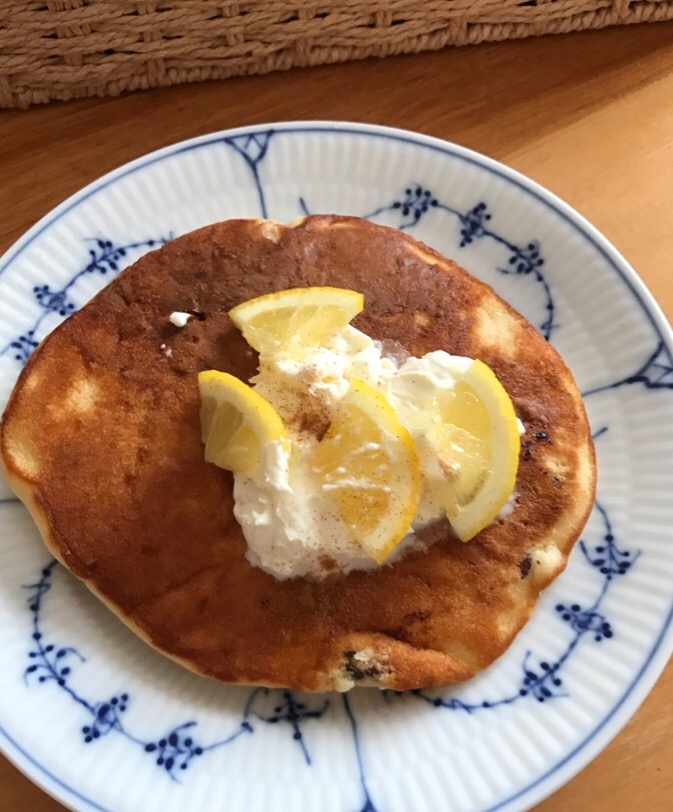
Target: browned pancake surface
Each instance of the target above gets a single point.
(101, 439)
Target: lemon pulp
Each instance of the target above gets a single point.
(236, 423)
(367, 464)
(281, 322)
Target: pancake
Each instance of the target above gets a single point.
(101, 441)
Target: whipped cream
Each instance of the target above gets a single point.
(312, 382)
(179, 319)
(291, 525)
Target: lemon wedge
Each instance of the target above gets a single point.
(368, 465)
(236, 423)
(471, 429)
(295, 318)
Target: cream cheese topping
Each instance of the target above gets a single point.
(179, 319)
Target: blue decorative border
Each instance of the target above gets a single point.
(252, 148)
(543, 681)
(252, 144)
(105, 257)
(174, 749)
(655, 373)
(417, 201)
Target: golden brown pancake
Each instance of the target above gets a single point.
(101, 440)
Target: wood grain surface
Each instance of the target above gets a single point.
(589, 116)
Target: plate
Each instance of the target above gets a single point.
(101, 721)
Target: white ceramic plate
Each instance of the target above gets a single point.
(102, 722)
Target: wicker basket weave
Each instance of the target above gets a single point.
(61, 49)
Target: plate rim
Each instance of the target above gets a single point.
(653, 665)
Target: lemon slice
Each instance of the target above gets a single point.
(299, 317)
(368, 465)
(236, 423)
(474, 435)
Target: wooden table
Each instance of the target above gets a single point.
(590, 116)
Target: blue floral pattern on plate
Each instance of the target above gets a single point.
(179, 746)
(105, 258)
